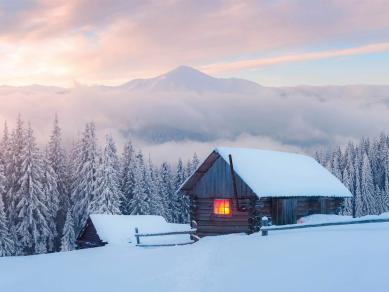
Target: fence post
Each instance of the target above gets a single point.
(137, 236)
(264, 223)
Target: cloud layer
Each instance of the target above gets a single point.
(177, 122)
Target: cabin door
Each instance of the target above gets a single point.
(284, 211)
(288, 211)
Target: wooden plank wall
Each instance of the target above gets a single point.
(302, 206)
(88, 236)
(217, 183)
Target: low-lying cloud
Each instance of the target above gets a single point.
(168, 124)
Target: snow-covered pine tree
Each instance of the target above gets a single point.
(152, 182)
(32, 228)
(5, 154)
(182, 202)
(57, 159)
(52, 201)
(367, 188)
(166, 191)
(337, 164)
(127, 177)
(194, 163)
(385, 196)
(6, 242)
(108, 195)
(13, 173)
(349, 178)
(84, 183)
(68, 237)
(140, 203)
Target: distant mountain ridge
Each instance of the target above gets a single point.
(185, 78)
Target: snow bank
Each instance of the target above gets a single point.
(352, 258)
(324, 218)
(281, 174)
(120, 229)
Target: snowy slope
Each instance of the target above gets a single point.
(301, 175)
(350, 258)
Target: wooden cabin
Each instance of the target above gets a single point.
(235, 187)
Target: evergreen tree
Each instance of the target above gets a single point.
(57, 160)
(32, 228)
(152, 182)
(13, 173)
(108, 194)
(166, 191)
(337, 164)
(385, 196)
(127, 177)
(182, 201)
(84, 183)
(68, 237)
(358, 185)
(52, 201)
(367, 188)
(140, 203)
(6, 243)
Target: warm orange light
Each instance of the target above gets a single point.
(222, 207)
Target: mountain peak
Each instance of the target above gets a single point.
(185, 78)
(185, 70)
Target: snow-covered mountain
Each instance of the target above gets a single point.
(186, 78)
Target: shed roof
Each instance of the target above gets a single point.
(275, 174)
(120, 229)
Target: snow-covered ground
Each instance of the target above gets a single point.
(338, 258)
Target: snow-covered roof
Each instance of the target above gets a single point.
(282, 174)
(120, 229)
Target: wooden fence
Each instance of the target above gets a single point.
(194, 238)
(266, 228)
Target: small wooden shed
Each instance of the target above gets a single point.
(234, 187)
(102, 229)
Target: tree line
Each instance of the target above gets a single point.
(46, 195)
(364, 169)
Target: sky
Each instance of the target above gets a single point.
(272, 42)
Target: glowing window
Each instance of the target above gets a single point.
(222, 207)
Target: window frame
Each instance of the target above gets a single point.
(218, 214)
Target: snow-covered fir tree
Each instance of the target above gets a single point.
(56, 156)
(166, 190)
(140, 203)
(52, 201)
(182, 208)
(152, 181)
(84, 184)
(68, 237)
(108, 195)
(13, 172)
(367, 188)
(127, 177)
(32, 228)
(6, 242)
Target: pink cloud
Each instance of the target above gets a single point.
(112, 41)
(249, 64)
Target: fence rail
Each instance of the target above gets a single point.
(266, 228)
(194, 238)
